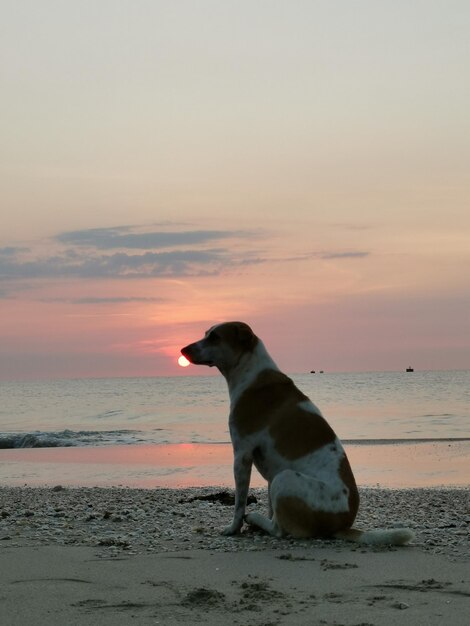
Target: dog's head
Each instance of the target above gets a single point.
(222, 346)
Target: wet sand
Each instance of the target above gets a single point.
(388, 463)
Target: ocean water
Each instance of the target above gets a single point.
(194, 409)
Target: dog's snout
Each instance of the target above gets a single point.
(186, 350)
(192, 352)
(197, 354)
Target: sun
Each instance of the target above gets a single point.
(183, 361)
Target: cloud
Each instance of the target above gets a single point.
(123, 237)
(11, 251)
(150, 264)
(115, 300)
(326, 255)
(124, 252)
(104, 300)
(358, 254)
(127, 252)
(73, 264)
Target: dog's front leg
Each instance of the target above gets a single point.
(242, 471)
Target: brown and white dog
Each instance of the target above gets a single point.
(273, 425)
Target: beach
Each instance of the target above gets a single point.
(156, 556)
(119, 522)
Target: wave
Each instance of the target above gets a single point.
(70, 438)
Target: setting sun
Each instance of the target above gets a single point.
(183, 361)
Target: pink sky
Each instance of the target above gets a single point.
(299, 166)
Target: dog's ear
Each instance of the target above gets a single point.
(245, 336)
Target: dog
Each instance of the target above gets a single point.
(274, 426)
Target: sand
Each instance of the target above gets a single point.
(74, 556)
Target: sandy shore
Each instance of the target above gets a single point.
(135, 556)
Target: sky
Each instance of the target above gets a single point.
(300, 165)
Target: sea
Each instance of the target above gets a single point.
(165, 413)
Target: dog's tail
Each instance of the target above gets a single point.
(392, 537)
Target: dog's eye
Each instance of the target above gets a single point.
(213, 337)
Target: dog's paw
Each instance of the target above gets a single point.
(264, 523)
(232, 529)
(252, 518)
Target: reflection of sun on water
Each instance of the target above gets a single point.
(183, 361)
